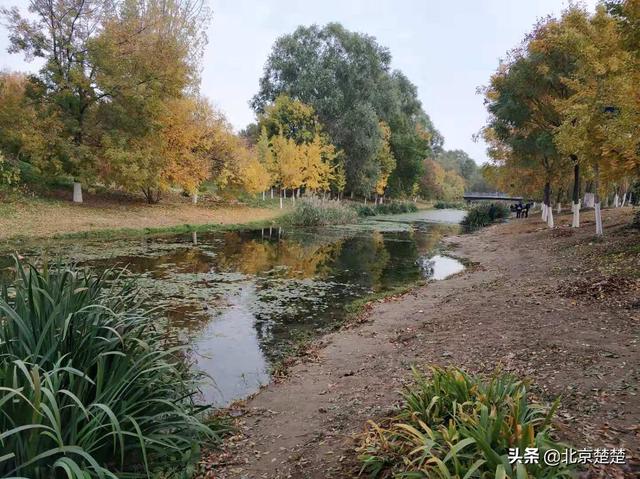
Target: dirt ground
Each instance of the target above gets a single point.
(40, 218)
(560, 308)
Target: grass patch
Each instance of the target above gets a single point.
(88, 389)
(454, 425)
(316, 212)
(441, 205)
(124, 233)
(357, 307)
(484, 214)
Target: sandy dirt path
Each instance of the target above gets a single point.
(506, 312)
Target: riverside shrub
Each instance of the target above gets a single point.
(484, 214)
(316, 212)
(454, 425)
(86, 388)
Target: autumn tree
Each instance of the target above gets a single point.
(592, 126)
(294, 147)
(108, 68)
(385, 159)
(60, 32)
(524, 100)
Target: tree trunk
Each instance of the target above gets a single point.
(272, 192)
(194, 198)
(77, 192)
(624, 200)
(194, 238)
(596, 200)
(575, 207)
(281, 197)
(264, 196)
(616, 200)
(559, 207)
(547, 202)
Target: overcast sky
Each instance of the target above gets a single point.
(447, 48)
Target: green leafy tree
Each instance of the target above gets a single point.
(346, 78)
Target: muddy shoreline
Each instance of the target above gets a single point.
(515, 310)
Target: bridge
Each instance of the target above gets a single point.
(490, 197)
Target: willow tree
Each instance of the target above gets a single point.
(347, 78)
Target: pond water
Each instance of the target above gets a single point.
(239, 299)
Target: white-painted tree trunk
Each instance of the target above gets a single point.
(272, 193)
(624, 200)
(194, 238)
(550, 217)
(77, 192)
(264, 196)
(194, 198)
(365, 200)
(598, 219)
(544, 212)
(616, 201)
(281, 206)
(576, 215)
(559, 207)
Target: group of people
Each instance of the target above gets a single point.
(521, 209)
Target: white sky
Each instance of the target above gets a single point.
(447, 48)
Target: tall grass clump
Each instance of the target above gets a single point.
(86, 390)
(316, 212)
(392, 208)
(484, 214)
(441, 205)
(454, 425)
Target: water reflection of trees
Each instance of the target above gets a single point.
(292, 257)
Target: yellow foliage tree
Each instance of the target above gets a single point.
(288, 162)
(386, 160)
(317, 169)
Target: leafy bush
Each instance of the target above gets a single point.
(484, 214)
(9, 174)
(86, 390)
(393, 208)
(441, 205)
(454, 425)
(315, 212)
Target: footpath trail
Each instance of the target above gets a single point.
(556, 307)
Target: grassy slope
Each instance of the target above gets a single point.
(22, 217)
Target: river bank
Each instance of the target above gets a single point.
(103, 216)
(557, 307)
